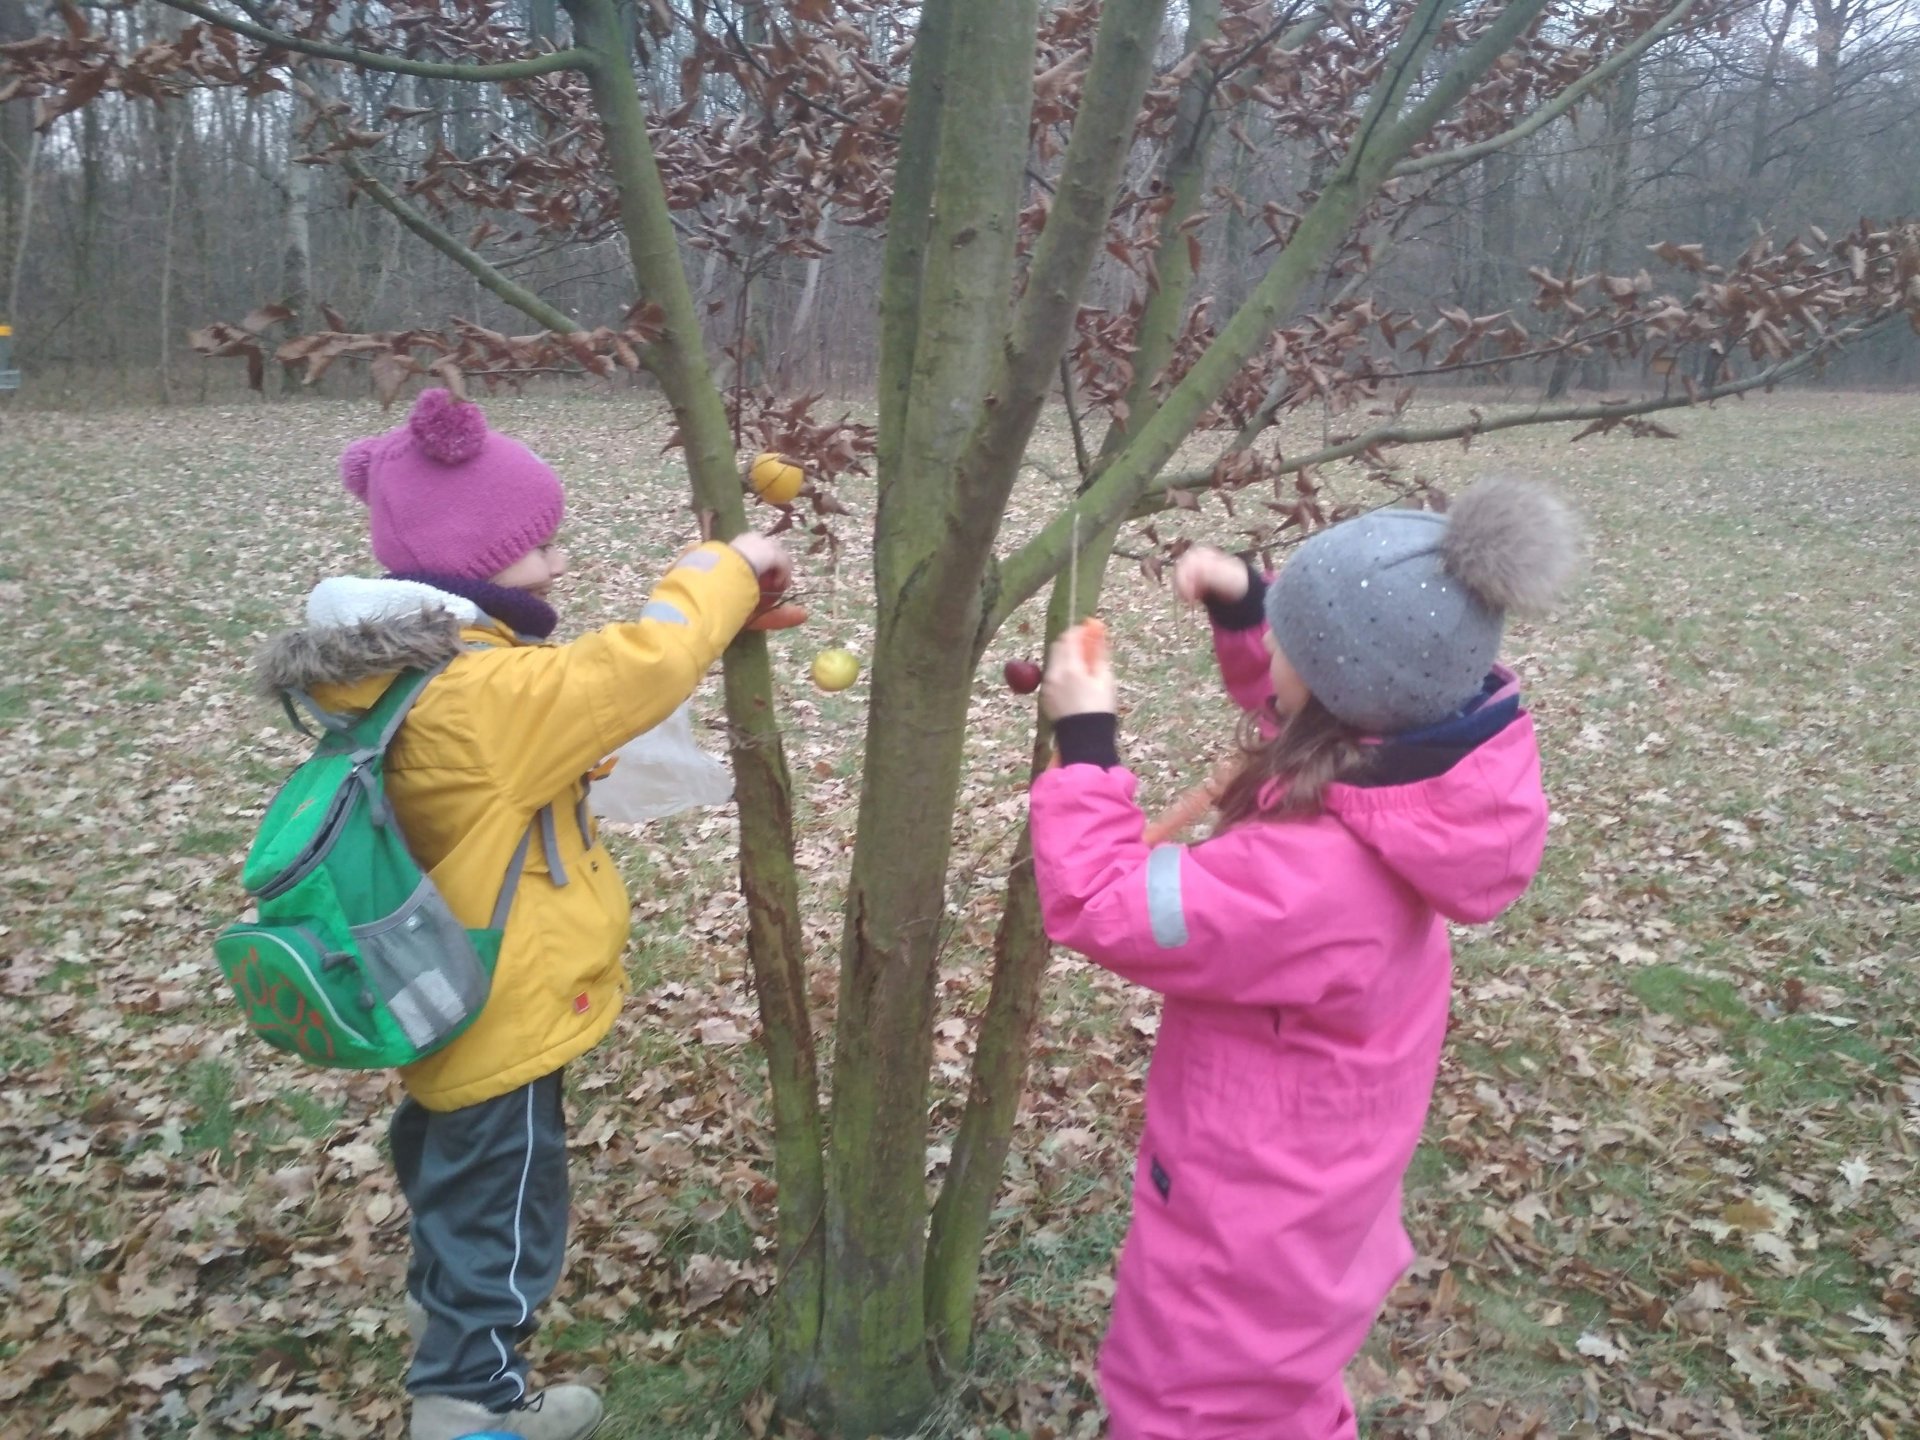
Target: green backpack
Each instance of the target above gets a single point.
(354, 960)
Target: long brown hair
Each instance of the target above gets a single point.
(1287, 776)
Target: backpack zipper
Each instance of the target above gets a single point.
(308, 860)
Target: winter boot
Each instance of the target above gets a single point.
(560, 1412)
(416, 1321)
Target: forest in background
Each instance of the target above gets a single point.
(123, 225)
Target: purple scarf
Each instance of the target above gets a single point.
(526, 613)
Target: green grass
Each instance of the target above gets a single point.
(1687, 995)
(210, 1087)
(312, 1117)
(147, 692)
(710, 1377)
(211, 841)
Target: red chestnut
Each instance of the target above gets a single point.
(1023, 676)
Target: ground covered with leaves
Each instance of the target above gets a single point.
(1668, 1187)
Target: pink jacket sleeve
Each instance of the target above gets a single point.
(1193, 921)
(1245, 667)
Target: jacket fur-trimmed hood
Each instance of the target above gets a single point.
(360, 628)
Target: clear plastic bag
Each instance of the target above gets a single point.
(661, 773)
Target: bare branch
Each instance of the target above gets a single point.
(1315, 239)
(1386, 435)
(527, 69)
(416, 220)
(1555, 108)
(1080, 456)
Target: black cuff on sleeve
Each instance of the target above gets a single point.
(1091, 739)
(1248, 612)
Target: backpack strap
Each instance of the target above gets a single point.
(550, 842)
(381, 719)
(512, 881)
(330, 723)
(373, 732)
(580, 812)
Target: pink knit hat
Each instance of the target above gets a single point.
(447, 496)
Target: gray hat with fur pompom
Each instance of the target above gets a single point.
(1393, 619)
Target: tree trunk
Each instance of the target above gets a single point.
(799, 329)
(296, 281)
(1499, 232)
(1569, 257)
(166, 266)
(965, 371)
(1623, 103)
(18, 257)
(761, 780)
(980, 1148)
(1236, 261)
(1760, 136)
(961, 1217)
(1830, 21)
(92, 162)
(16, 142)
(387, 235)
(928, 565)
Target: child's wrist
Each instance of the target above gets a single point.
(1249, 611)
(1089, 738)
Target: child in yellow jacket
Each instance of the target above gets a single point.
(497, 750)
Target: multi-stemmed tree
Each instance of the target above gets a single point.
(1015, 154)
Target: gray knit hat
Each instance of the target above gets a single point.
(1393, 619)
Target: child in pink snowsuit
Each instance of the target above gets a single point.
(1391, 784)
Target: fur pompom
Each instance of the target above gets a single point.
(356, 463)
(1515, 545)
(448, 430)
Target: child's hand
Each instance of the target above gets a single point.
(769, 560)
(1072, 687)
(1204, 574)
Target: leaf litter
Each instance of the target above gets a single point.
(1667, 1188)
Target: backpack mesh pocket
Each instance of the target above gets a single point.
(426, 968)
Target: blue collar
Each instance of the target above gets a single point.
(1431, 750)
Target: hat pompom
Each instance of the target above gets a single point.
(448, 430)
(356, 464)
(1515, 545)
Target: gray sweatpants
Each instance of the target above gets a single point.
(488, 1189)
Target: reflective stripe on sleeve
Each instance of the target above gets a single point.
(1163, 897)
(663, 611)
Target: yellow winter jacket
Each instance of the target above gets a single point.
(500, 741)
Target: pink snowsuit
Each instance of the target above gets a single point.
(1306, 970)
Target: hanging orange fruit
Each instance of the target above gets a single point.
(776, 479)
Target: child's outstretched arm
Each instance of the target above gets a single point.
(570, 706)
(1195, 921)
(1200, 921)
(1234, 593)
